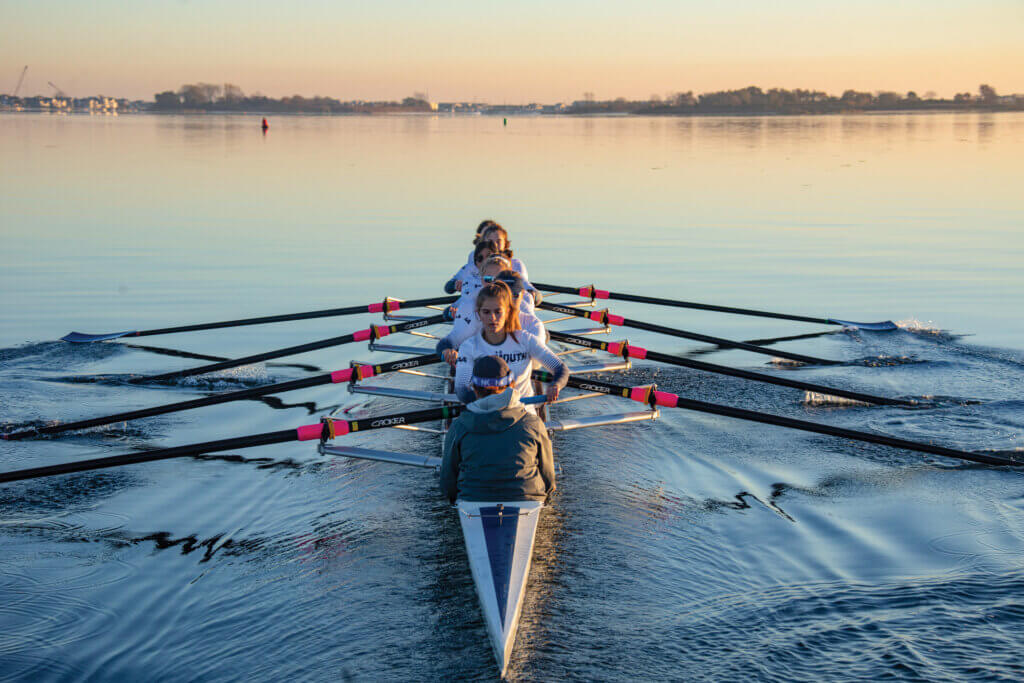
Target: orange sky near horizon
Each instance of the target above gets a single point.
(511, 52)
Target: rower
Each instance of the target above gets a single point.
(501, 334)
(496, 449)
(466, 323)
(499, 236)
(470, 265)
(469, 273)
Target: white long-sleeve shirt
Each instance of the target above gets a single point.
(519, 350)
(465, 327)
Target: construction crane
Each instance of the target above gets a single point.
(20, 81)
(57, 91)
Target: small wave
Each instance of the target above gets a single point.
(1016, 454)
(786, 362)
(109, 380)
(59, 352)
(884, 361)
(813, 398)
(245, 375)
(118, 429)
(927, 330)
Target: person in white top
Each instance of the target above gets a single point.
(501, 335)
(499, 236)
(469, 273)
(466, 322)
(452, 285)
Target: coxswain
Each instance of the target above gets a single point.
(496, 449)
(501, 335)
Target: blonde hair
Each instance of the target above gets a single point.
(500, 291)
(497, 259)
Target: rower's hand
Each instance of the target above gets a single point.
(551, 393)
(450, 356)
(458, 285)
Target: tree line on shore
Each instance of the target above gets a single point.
(750, 100)
(207, 97)
(754, 100)
(229, 97)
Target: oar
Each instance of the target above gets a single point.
(373, 332)
(627, 350)
(595, 293)
(358, 372)
(606, 318)
(326, 429)
(653, 397)
(390, 304)
(178, 353)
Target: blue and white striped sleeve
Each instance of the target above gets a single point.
(462, 273)
(542, 354)
(461, 331)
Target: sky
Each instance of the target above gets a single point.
(514, 52)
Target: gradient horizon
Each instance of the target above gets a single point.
(519, 52)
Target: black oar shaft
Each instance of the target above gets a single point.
(305, 433)
(855, 435)
(362, 335)
(736, 372)
(287, 317)
(227, 397)
(684, 334)
(149, 456)
(171, 407)
(669, 400)
(582, 291)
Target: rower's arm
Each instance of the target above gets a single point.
(461, 274)
(463, 375)
(552, 363)
(461, 331)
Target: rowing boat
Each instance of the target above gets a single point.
(498, 535)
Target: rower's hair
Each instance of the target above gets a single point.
(481, 245)
(497, 259)
(500, 291)
(484, 224)
(504, 234)
(488, 391)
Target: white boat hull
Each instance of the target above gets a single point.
(499, 543)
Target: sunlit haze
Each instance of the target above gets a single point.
(514, 52)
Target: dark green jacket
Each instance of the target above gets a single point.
(497, 451)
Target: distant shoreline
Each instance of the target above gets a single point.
(208, 98)
(519, 114)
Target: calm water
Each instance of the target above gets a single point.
(689, 547)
